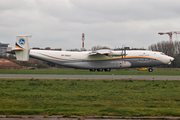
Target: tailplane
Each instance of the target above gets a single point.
(22, 48)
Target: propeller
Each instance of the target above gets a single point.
(123, 57)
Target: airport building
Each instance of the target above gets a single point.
(4, 48)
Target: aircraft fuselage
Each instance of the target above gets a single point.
(83, 60)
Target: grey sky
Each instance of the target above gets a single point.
(113, 23)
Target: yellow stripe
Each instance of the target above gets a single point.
(124, 57)
(52, 58)
(18, 47)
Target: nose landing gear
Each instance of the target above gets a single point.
(150, 69)
(145, 69)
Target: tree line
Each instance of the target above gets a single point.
(171, 49)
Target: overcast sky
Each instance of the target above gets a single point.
(112, 23)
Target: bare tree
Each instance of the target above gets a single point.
(166, 47)
(94, 48)
(171, 49)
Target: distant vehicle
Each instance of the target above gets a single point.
(99, 60)
(142, 69)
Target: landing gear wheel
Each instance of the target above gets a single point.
(150, 69)
(92, 70)
(99, 70)
(107, 70)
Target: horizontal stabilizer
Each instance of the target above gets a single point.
(17, 49)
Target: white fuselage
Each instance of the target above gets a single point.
(133, 58)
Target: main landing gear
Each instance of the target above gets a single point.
(92, 70)
(100, 70)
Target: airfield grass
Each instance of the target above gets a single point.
(157, 71)
(89, 97)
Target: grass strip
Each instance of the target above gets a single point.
(89, 97)
(166, 71)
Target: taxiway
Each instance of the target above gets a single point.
(90, 77)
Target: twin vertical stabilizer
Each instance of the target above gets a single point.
(22, 47)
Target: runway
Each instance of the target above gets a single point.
(90, 77)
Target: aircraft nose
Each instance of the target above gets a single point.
(171, 59)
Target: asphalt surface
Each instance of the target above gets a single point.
(60, 117)
(90, 77)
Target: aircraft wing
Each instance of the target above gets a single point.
(13, 51)
(107, 52)
(100, 52)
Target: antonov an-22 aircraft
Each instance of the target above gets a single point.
(99, 60)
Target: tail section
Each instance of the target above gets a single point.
(22, 48)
